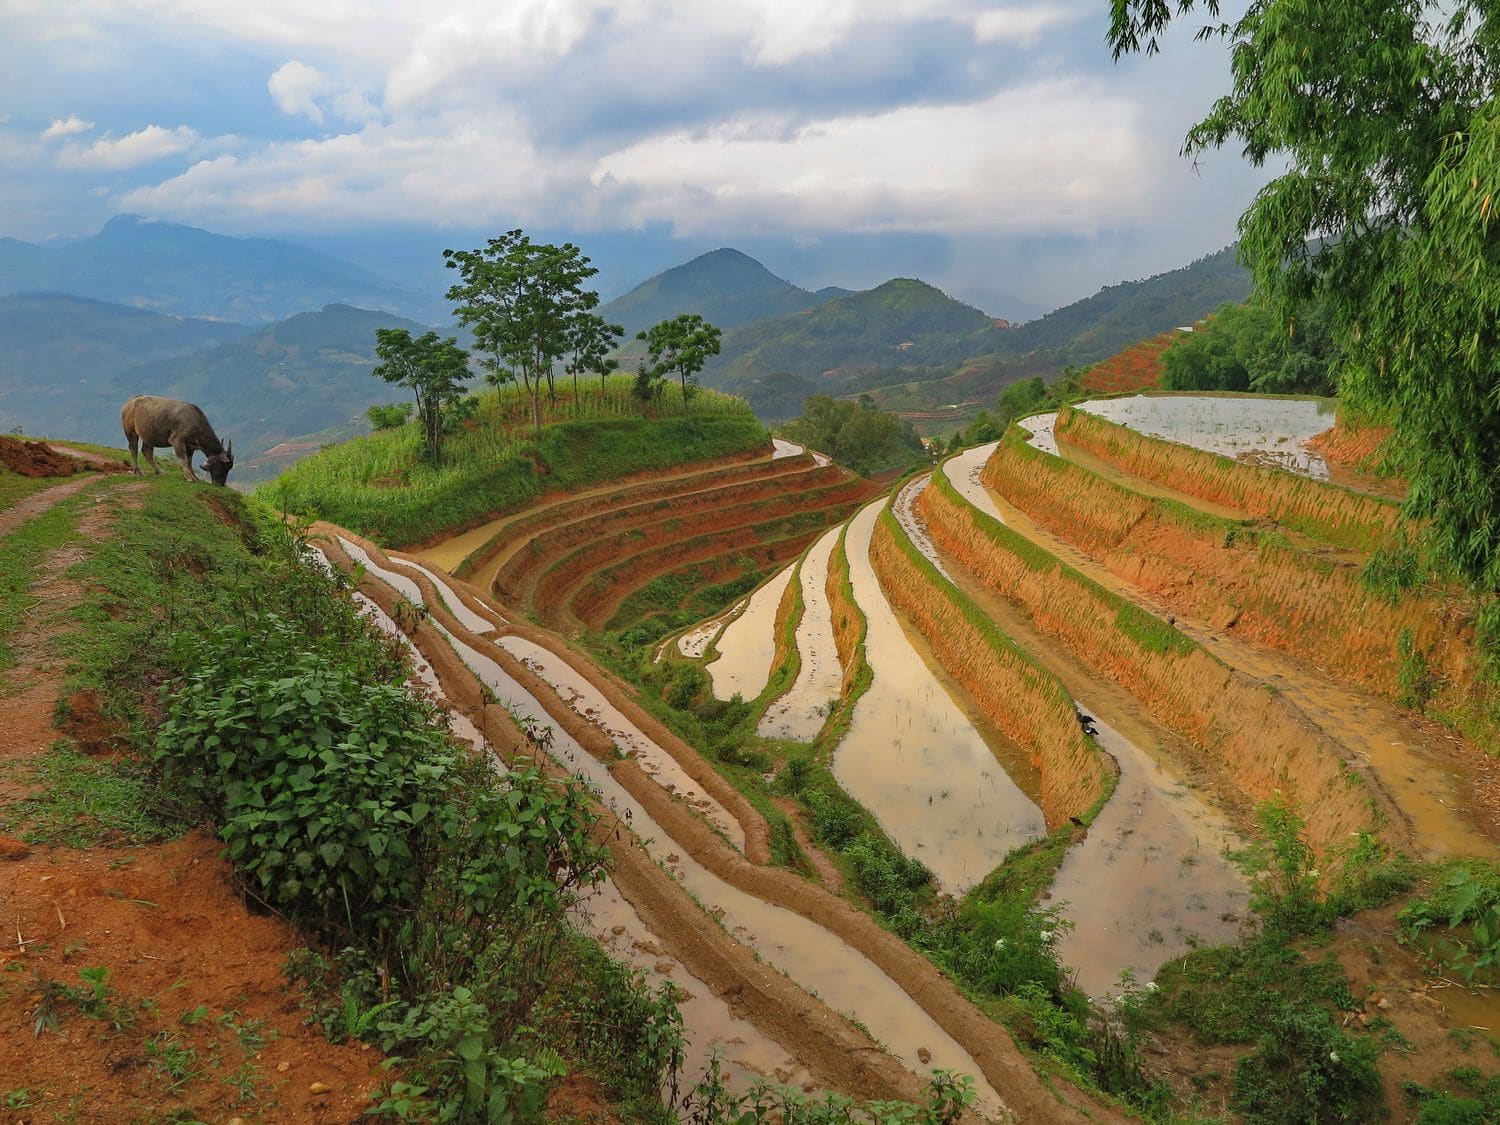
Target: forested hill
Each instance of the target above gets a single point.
(61, 351)
(900, 323)
(1118, 315)
(184, 271)
(725, 287)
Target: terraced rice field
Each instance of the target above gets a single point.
(1055, 635)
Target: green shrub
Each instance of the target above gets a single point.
(1305, 1069)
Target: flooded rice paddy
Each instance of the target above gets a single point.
(963, 472)
(1150, 880)
(800, 713)
(694, 643)
(588, 701)
(914, 759)
(903, 506)
(811, 956)
(747, 646)
(1271, 431)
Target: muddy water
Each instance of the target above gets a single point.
(747, 646)
(800, 713)
(709, 1028)
(398, 582)
(808, 954)
(588, 701)
(911, 523)
(963, 471)
(784, 448)
(914, 760)
(1409, 760)
(466, 616)
(694, 643)
(1040, 426)
(1270, 431)
(1149, 881)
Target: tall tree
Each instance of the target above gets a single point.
(680, 346)
(435, 369)
(518, 297)
(1386, 117)
(590, 340)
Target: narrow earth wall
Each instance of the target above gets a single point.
(1248, 734)
(1022, 699)
(1328, 512)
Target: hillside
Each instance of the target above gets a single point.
(185, 271)
(902, 323)
(725, 287)
(64, 354)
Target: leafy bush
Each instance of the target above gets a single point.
(1305, 1069)
(389, 415)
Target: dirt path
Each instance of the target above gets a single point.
(29, 507)
(194, 981)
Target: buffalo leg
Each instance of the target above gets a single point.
(185, 456)
(150, 452)
(135, 456)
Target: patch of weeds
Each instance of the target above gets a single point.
(17, 1099)
(1459, 919)
(1464, 1096)
(173, 1058)
(83, 802)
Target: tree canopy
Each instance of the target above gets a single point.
(434, 368)
(1386, 117)
(680, 346)
(856, 434)
(520, 297)
(1251, 347)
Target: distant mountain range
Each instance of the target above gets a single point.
(725, 287)
(72, 362)
(184, 271)
(226, 322)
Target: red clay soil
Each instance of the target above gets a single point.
(1134, 369)
(38, 459)
(827, 1044)
(193, 978)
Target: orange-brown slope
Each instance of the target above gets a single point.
(1134, 369)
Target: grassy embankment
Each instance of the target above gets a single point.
(1404, 632)
(1247, 734)
(282, 723)
(1415, 650)
(381, 486)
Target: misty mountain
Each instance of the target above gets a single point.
(184, 271)
(725, 287)
(61, 351)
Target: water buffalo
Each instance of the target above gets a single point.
(152, 422)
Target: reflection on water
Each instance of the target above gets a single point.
(694, 643)
(582, 696)
(903, 507)
(963, 472)
(914, 760)
(466, 616)
(1271, 431)
(1149, 881)
(747, 647)
(811, 956)
(801, 711)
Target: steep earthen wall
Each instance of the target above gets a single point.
(1277, 594)
(1334, 514)
(1020, 698)
(1252, 736)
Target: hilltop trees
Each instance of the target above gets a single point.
(590, 340)
(856, 434)
(1386, 115)
(435, 369)
(679, 346)
(521, 298)
(1250, 347)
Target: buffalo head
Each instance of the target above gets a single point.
(217, 467)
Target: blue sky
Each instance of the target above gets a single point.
(991, 148)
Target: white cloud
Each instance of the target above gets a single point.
(151, 143)
(296, 87)
(1023, 26)
(66, 127)
(1057, 156)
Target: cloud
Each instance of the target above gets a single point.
(1058, 155)
(148, 144)
(1023, 26)
(296, 87)
(66, 127)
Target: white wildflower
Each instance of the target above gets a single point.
(1333, 1056)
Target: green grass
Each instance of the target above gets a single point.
(81, 802)
(22, 555)
(380, 485)
(14, 487)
